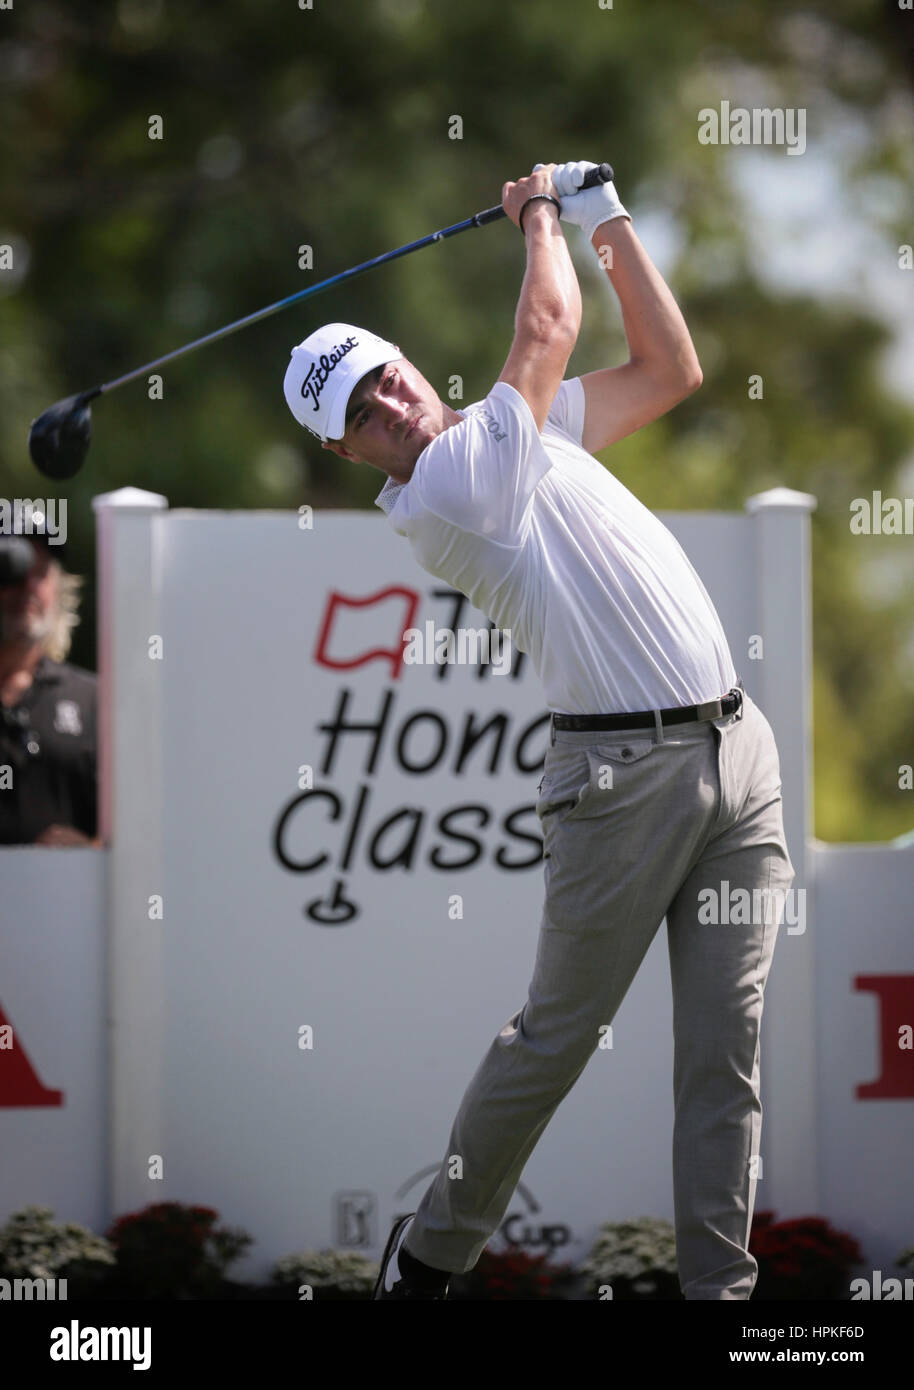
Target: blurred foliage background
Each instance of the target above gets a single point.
(329, 126)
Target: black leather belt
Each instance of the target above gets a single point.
(712, 709)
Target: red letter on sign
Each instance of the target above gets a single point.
(896, 1011)
(19, 1082)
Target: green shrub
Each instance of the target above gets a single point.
(34, 1246)
(343, 1273)
(636, 1259)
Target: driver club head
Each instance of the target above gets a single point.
(59, 439)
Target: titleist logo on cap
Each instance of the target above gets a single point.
(317, 374)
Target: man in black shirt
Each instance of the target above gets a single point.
(47, 708)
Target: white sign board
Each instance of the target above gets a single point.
(322, 901)
(352, 884)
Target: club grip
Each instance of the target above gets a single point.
(602, 174)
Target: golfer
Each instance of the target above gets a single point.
(661, 790)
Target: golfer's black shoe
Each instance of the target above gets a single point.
(392, 1283)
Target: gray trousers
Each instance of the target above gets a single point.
(638, 827)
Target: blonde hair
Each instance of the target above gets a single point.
(66, 613)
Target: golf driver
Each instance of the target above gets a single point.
(59, 438)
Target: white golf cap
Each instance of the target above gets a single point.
(324, 369)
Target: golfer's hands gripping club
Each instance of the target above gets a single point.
(586, 208)
(515, 195)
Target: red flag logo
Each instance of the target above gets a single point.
(358, 630)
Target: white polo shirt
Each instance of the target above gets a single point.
(545, 541)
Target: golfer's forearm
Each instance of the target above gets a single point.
(550, 297)
(656, 331)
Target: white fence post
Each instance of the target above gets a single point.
(783, 679)
(130, 727)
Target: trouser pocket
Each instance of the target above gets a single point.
(579, 779)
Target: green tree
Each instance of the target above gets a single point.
(331, 128)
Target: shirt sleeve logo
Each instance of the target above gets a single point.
(492, 424)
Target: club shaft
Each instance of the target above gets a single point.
(479, 219)
(602, 173)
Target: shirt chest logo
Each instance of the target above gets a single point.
(67, 718)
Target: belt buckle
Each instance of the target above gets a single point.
(711, 709)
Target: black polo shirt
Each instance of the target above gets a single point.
(48, 740)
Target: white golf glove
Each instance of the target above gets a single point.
(587, 209)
